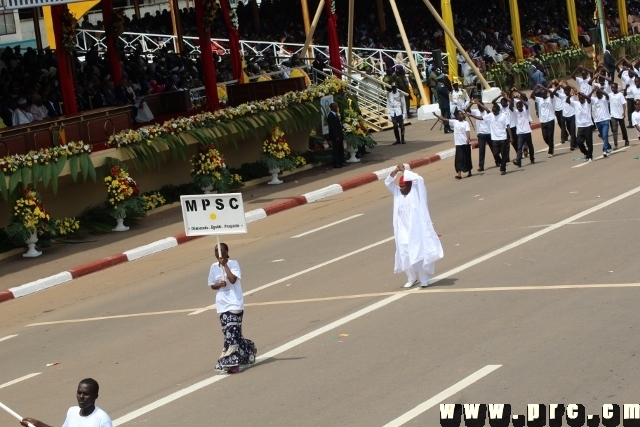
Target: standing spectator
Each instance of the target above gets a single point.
(336, 136)
(417, 244)
(86, 414)
(397, 111)
(225, 277)
(609, 62)
(617, 103)
(443, 102)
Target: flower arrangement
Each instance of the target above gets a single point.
(152, 201)
(209, 170)
(631, 40)
(69, 27)
(65, 227)
(116, 25)
(122, 191)
(29, 212)
(355, 131)
(276, 152)
(209, 9)
(46, 164)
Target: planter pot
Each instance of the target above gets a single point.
(352, 152)
(274, 176)
(207, 189)
(31, 244)
(121, 226)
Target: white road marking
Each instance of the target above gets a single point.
(8, 337)
(326, 226)
(382, 303)
(291, 344)
(445, 394)
(600, 157)
(284, 279)
(26, 377)
(536, 234)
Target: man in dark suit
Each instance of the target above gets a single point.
(609, 63)
(52, 105)
(336, 136)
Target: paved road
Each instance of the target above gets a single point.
(536, 295)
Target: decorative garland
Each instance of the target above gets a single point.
(69, 27)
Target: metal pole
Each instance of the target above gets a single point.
(350, 38)
(446, 29)
(603, 28)
(314, 24)
(412, 60)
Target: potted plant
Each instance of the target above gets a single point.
(276, 155)
(210, 173)
(28, 219)
(355, 131)
(122, 192)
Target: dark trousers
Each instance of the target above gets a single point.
(446, 113)
(584, 141)
(398, 128)
(564, 134)
(630, 109)
(502, 147)
(614, 128)
(547, 134)
(484, 139)
(338, 151)
(570, 123)
(525, 139)
(513, 139)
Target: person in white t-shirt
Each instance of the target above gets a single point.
(462, 141)
(568, 113)
(483, 127)
(523, 131)
(224, 277)
(627, 76)
(546, 110)
(601, 117)
(584, 79)
(584, 139)
(617, 104)
(86, 414)
(635, 118)
(500, 128)
(558, 105)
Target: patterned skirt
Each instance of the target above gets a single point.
(236, 350)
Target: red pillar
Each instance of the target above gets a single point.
(65, 62)
(206, 57)
(234, 42)
(332, 32)
(112, 52)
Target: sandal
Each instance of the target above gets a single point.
(458, 177)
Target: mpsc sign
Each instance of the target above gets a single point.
(206, 214)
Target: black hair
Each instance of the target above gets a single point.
(224, 246)
(92, 383)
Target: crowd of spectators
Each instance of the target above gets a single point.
(29, 84)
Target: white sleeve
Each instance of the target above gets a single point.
(234, 266)
(388, 181)
(634, 119)
(212, 275)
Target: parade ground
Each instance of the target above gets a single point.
(533, 302)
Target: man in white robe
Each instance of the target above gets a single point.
(417, 244)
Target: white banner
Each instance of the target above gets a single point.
(210, 214)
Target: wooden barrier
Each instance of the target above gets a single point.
(246, 92)
(93, 127)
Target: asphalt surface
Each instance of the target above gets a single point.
(538, 283)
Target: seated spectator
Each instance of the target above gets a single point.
(38, 110)
(20, 115)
